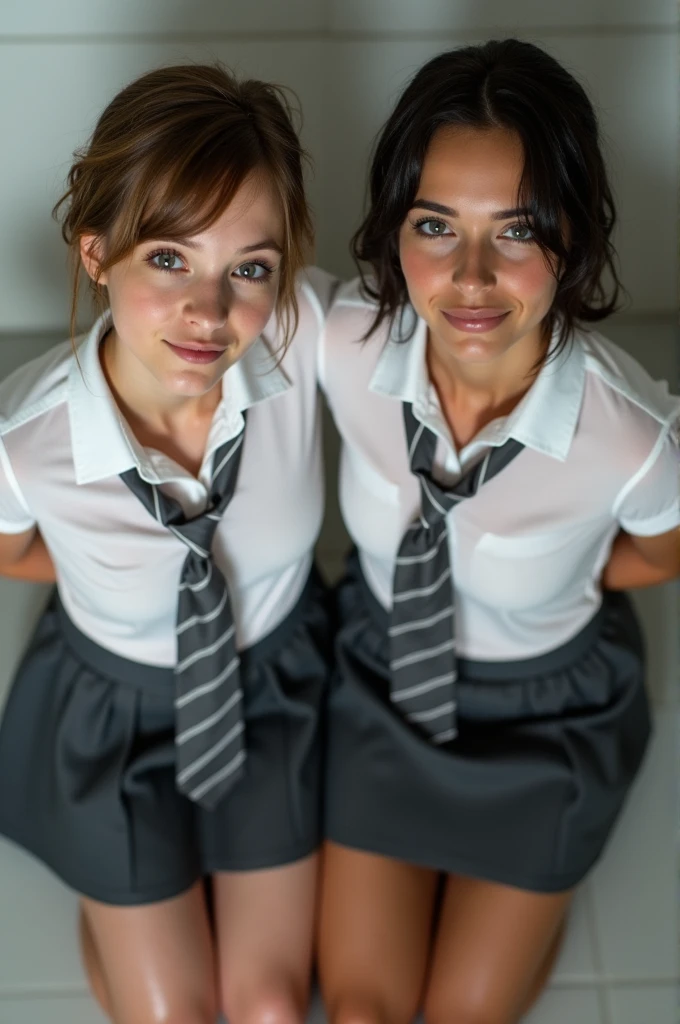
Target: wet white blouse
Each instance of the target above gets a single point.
(528, 549)
(63, 444)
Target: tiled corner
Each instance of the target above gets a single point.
(51, 1009)
(567, 1006)
(635, 885)
(38, 945)
(577, 961)
(652, 1004)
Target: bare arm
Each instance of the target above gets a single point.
(24, 556)
(642, 561)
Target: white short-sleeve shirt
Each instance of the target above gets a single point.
(528, 549)
(63, 444)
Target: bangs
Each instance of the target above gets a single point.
(176, 196)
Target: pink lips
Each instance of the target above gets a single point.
(475, 320)
(197, 353)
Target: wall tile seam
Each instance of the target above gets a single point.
(342, 36)
(587, 982)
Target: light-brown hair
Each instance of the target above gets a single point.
(166, 158)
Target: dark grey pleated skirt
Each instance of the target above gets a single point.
(528, 792)
(87, 762)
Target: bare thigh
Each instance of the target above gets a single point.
(374, 936)
(492, 946)
(264, 925)
(156, 961)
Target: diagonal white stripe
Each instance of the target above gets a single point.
(189, 543)
(208, 617)
(421, 623)
(431, 496)
(156, 503)
(414, 442)
(415, 559)
(205, 651)
(201, 584)
(195, 730)
(426, 716)
(447, 734)
(430, 652)
(226, 458)
(201, 761)
(423, 591)
(485, 466)
(201, 790)
(429, 684)
(200, 691)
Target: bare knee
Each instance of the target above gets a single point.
(279, 1004)
(467, 1009)
(365, 1010)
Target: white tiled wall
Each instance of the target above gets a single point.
(347, 60)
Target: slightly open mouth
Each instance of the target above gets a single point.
(475, 325)
(196, 355)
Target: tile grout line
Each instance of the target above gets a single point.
(340, 35)
(603, 989)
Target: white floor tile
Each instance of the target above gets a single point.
(38, 945)
(52, 1009)
(567, 1006)
(577, 961)
(635, 885)
(646, 1005)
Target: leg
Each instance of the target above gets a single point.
(375, 931)
(494, 945)
(264, 922)
(92, 963)
(153, 964)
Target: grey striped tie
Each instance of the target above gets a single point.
(209, 726)
(422, 642)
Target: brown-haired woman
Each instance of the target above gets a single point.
(488, 713)
(163, 726)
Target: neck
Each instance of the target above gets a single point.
(472, 395)
(144, 404)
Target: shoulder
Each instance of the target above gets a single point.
(624, 384)
(315, 291)
(35, 388)
(630, 412)
(351, 344)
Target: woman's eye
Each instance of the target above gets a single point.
(166, 260)
(519, 233)
(432, 228)
(253, 271)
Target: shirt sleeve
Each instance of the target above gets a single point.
(649, 504)
(15, 515)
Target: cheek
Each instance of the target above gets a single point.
(251, 314)
(420, 270)
(531, 281)
(138, 303)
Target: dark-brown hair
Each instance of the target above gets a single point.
(517, 86)
(168, 155)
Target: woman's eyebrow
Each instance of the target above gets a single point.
(266, 243)
(448, 211)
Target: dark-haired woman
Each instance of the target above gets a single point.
(506, 471)
(164, 725)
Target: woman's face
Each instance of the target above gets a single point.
(472, 270)
(184, 310)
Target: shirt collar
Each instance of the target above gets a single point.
(103, 444)
(546, 417)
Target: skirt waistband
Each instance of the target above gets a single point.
(489, 671)
(157, 678)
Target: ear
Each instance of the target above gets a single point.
(91, 255)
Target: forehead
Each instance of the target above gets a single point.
(480, 165)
